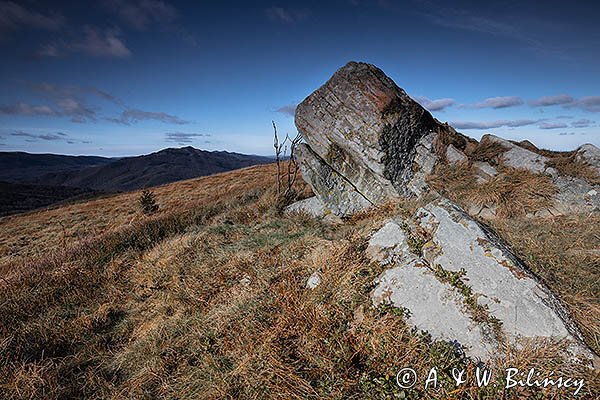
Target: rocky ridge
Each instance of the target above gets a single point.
(367, 143)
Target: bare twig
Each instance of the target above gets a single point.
(286, 180)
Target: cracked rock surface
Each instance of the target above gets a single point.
(361, 132)
(492, 299)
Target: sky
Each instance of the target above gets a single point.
(119, 78)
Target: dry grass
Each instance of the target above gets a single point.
(207, 300)
(486, 150)
(34, 234)
(568, 165)
(513, 192)
(565, 252)
(448, 136)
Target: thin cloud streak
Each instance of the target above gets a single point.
(493, 124)
(14, 17)
(435, 105)
(52, 137)
(97, 43)
(289, 109)
(499, 102)
(552, 125)
(183, 138)
(133, 115)
(582, 123)
(547, 101)
(286, 15)
(141, 14)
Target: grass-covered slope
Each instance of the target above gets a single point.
(207, 300)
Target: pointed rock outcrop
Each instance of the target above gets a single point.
(362, 133)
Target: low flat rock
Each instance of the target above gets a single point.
(484, 171)
(311, 206)
(434, 307)
(517, 305)
(518, 157)
(389, 244)
(454, 156)
(575, 195)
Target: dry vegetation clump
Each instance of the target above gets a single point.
(513, 192)
(567, 164)
(448, 136)
(486, 150)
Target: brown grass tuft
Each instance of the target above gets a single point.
(487, 151)
(513, 192)
(567, 164)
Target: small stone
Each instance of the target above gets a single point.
(313, 281)
(245, 281)
(483, 171)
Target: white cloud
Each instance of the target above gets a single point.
(435, 105)
(546, 101)
(499, 102)
(98, 43)
(492, 124)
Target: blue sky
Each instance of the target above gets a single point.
(115, 77)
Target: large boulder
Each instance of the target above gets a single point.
(362, 132)
(368, 142)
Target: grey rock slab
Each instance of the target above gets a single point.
(484, 171)
(454, 156)
(590, 154)
(434, 307)
(526, 308)
(311, 206)
(389, 244)
(575, 195)
(518, 157)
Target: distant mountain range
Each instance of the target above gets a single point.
(37, 180)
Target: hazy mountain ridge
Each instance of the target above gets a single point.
(164, 166)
